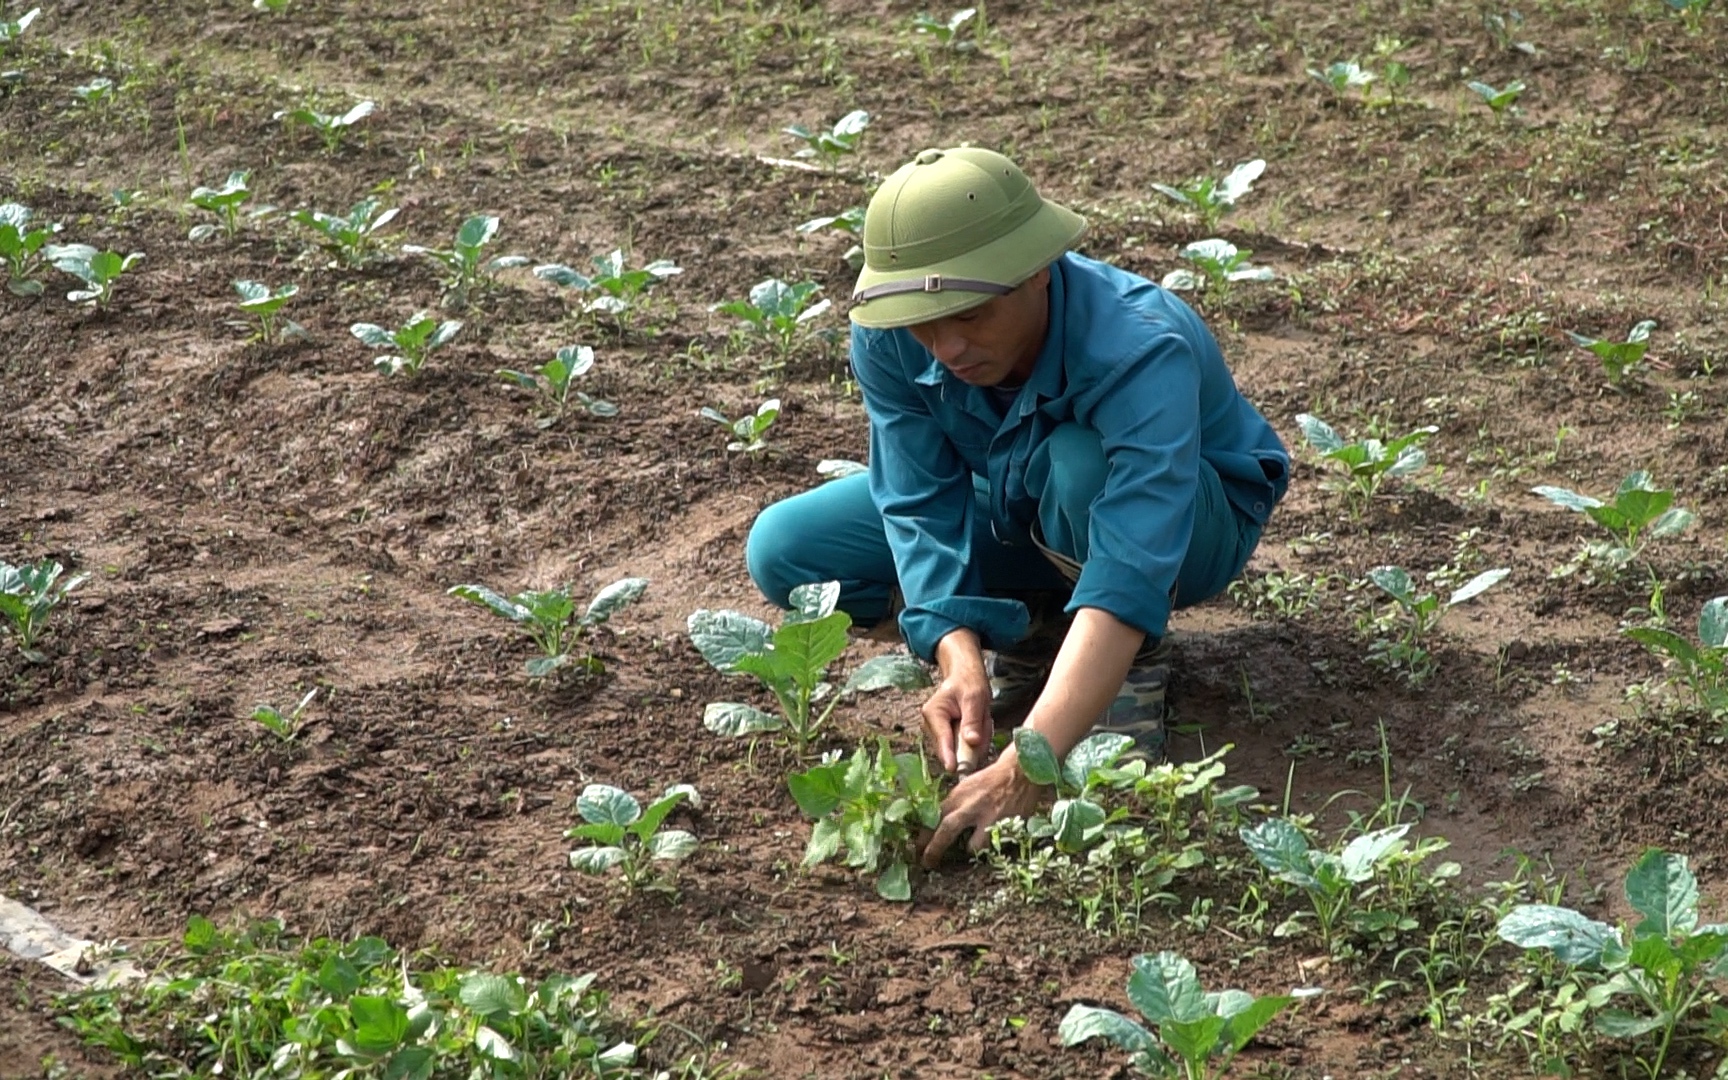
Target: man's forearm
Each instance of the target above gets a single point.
(960, 653)
(1095, 658)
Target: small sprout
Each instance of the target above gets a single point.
(554, 378)
(833, 144)
(872, 810)
(353, 238)
(549, 617)
(1703, 667)
(618, 287)
(1499, 100)
(225, 203)
(259, 301)
(848, 222)
(330, 127)
(1211, 199)
(274, 7)
(1077, 820)
(285, 728)
(1369, 462)
(1422, 613)
(463, 270)
(28, 593)
(623, 835)
(11, 31)
(1343, 76)
(21, 244)
(751, 429)
(98, 91)
(418, 339)
(1619, 358)
(949, 33)
(1220, 264)
(1641, 512)
(98, 270)
(778, 312)
(1503, 29)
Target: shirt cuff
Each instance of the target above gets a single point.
(1124, 591)
(999, 623)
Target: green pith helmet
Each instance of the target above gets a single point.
(949, 231)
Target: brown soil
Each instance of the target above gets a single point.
(262, 519)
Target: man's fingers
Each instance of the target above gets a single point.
(940, 731)
(946, 832)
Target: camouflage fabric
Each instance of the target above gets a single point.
(1138, 711)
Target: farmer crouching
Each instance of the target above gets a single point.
(1041, 424)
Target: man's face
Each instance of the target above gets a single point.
(997, 341)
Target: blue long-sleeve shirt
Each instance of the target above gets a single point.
(1122, 357)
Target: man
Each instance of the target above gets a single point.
(1039, 423)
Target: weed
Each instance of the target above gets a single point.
(28, 594)
(411, 345)
(625, 836)
(549, 617)
(872, 809)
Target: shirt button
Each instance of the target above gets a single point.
(1260, 508)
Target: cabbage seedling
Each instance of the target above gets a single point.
(1343, 76)
(21, 244)
(619, 288)
(571, 362)
(417, 340)
(1076, 820)
(461, 262)
(1703, 667)
(1498, 100)
(549, 617)
(225, 203)
(28, 593)
(1422, 613)
(849, 222)
(792, 662)
(1370, 462)
(1211, 198)
(949, 33)
(1666, 963)
(259, 301)
(751, 429)
(98, 270)
(778, 312)
(353, 238)
(871, 809)
(830, 145)
(1220, 264)
(1194, 1034)
(285, 728)
(625, 836)
(12, 30)
(98, 91)
(1619, 358)
(331, 127)
(1640, 512)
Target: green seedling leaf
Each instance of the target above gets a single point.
(1077, 823)
(892, 671)
(1279, 846)
(1395, 582)
(480, 594)
(1084, 1022)
(1662, 888)
(737, 720)
(812, 602)
(1478, 585)
(596, 860)
(839, 468)
(494, 997)
(1365, 852)
(724, 637)
(380, 1025)
(1620, 1024)
(672, 846)
(1713, 623)
(614, 598)
(1166, 988)
(894, 883)
(1319, 434)
(604, 804)
(1573, 938)
(1095, 752)
(1500, 99)
(1037, 758)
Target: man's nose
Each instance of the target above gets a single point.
(947, 345)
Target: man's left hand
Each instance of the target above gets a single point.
(979, 801)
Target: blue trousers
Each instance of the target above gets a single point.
(834, 533)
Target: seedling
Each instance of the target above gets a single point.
(833, 144)
(461, 262)
(778, 312)
(1703, 667)
(28, 593)
(1367, 463)
(849, 222)
(285, 728)
(751, 429)
(12, 30)
(623, 835)
(549, 617)
(1194, 1034)
(872, 810)
(98, 270)
(1500, 100)
(1076, 820)
(225, 203)
(553, 379)
(792, 662)
(96, 92)
(274, 7)
(259, 301)
(21, 244)
(949, 33)
(1503, 30)
(619, 288)
(418, 339)
(1422, 613)
(1691, 13)
(352, 238)
(1210, 199)
(1220, 265)
(1666, 963)
(1619, 358)
(331, 127)
(1641, 512)
(1343, 76)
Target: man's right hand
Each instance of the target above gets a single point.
(959, 710)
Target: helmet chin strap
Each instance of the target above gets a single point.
(931, 283)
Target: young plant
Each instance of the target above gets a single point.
(1194, 1034)
(778, 312)
(21, 244)
(949, 33)
(1703, 667)
(28, 593)
(418, 339)
(872, 809)
(98, 270)
(1500, 100)
(1619, 358)
(354, 237)
(1210, 199)
(1340, 886)
(331, 127)
(553, 380)
(463, 269)
(1367, 463)
(792, 662)
(1665, 964)
(830, 145)
(285, 728)
(259, 301)
(225, 203)
(1220, 264)
(274, 7)
(848, 222)
(1076, 820)
(1641, 512)
(97, 92)
(549, 617)
(12, 30)
(1343, 76)
(751, 429)
(1422, 613)
(625, 836)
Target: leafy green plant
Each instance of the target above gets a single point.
(949, 33)
(463, 269)
(625, 836)
(28, 593)
(331, 127)
(553, 380)
(11, 30)
(1703, 668)
(848, 222)
(225, 203)
(619, 288)
(98, 270)
(549, 617)
(1218, 264)
(1499, 100)
(418, 339)
(1367, 463)
(1422, 612)
(831, 144)
(264, 304)
(353, 237)
(750, 430)
(21, 244)
(792, 662)
(871, 809)
(1343, 76)
(777, 312)
(1211, 198)
(1641, 512)
(285, 728)
(1194, 1034)
(1077, 819)
(1619, 358)
(1665, 964)
(95, 93)
(1691, 13)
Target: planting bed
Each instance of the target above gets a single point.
(261, 519)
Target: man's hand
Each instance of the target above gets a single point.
(958, 712)
(981, 800)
